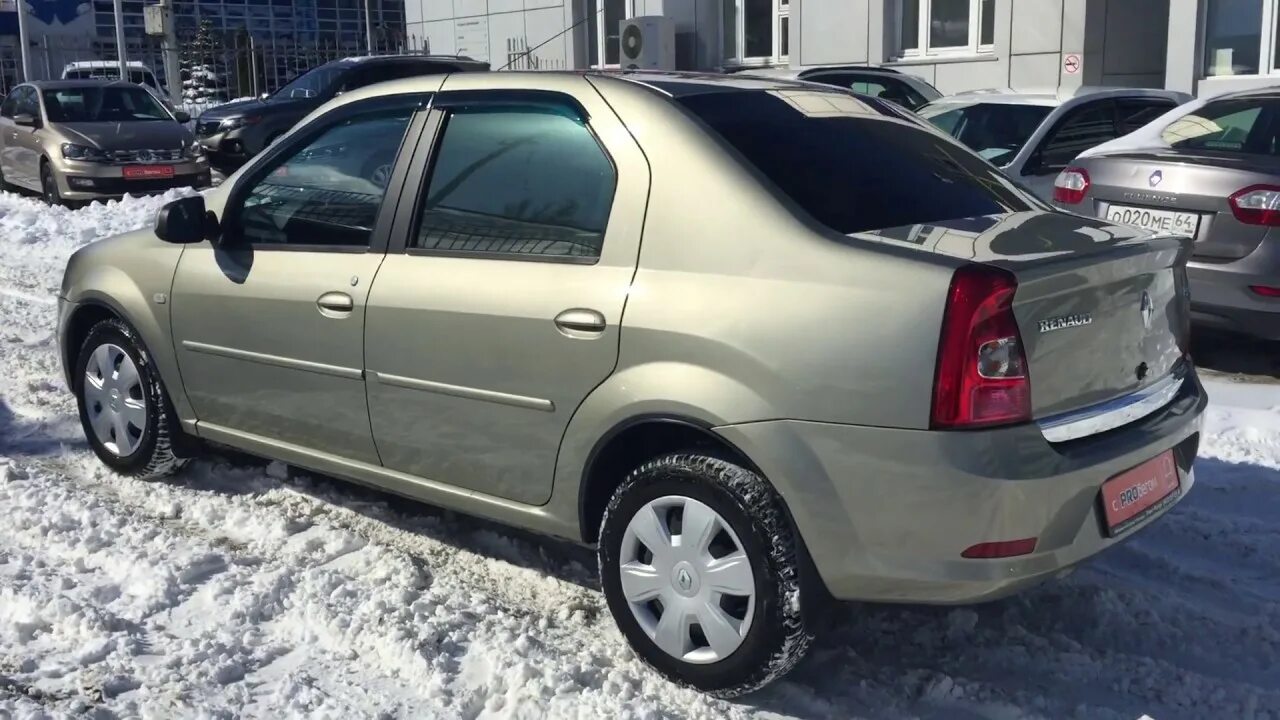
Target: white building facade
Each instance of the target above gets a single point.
(1199, 46)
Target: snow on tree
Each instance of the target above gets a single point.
(201, 83)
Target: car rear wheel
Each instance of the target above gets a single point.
(125, 412)
(700, 569)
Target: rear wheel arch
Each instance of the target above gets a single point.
(635, 441)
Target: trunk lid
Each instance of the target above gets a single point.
(1196, 182)
(1102, 309)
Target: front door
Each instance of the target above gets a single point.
(269, 321)
(21, 145)
(502, 313)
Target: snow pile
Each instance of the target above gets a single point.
(241, 590)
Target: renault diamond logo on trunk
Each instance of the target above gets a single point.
(1155, 178)
(1147, 309)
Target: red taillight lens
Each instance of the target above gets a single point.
(981, 377)
(1256, 205)
(1071, 185)
(1266, 290)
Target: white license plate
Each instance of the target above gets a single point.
(1163, 221)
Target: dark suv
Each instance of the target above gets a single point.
(235, 132)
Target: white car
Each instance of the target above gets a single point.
(1033, 136)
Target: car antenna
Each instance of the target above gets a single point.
(553, 37)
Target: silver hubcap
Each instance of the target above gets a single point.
(113, 396)
(687, 579)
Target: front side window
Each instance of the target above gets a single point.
(517, 180)
(28, 103)
(97, 104)
(1241, 127)
(996, 131)
(927, 27)
(1082, 129)
(316, 82)
(327, 191)
(854, 165)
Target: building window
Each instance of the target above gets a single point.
(604, 29)
(945, 27)
(1233, 39)
(756, 31)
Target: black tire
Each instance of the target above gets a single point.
(778, 636)
(49, 185)
(154, 457)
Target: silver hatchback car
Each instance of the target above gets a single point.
(757, 341)
(1210, 172)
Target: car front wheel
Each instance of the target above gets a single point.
(700, 569)
(126, 414)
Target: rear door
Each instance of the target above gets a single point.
(498, 308)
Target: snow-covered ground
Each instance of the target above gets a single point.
(239, 590)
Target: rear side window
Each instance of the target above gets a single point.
(1082, 129)
(1133, 113)
(852, 165)
(517, 180)
(1245, 126)
(996, 131)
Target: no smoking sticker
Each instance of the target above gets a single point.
(1071, 63)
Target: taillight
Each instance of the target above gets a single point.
(981, 378)
(1266, 290)
(1071, 185)
(1256, 205)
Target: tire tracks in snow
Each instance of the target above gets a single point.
(559, 614)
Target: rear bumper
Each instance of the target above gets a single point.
(886, 513)
(1221, 298)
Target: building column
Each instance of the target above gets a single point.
(1181, 54)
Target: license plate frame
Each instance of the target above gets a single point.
(1172, 222)
(1138, 493)
(147, 172)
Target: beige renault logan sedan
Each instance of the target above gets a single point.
(760, 342)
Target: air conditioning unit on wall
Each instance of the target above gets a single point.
(648, 43)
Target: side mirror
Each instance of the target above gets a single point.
(186, 221)
(25, 120)
(182, 116)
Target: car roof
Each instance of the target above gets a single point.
(685, 84)
(98, 64)
(1055, 97)
(460, 61)
(87, 82)
(1270, 91)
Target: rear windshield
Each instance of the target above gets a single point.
(1247, 126)
(996, 131)
(854, 165)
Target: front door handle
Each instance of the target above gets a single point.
(335, 304)
(580, 322)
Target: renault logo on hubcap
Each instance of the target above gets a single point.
(685, 579)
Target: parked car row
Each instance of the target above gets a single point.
(551, 309)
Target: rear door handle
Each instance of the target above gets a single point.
(335, 304)
(580, 322)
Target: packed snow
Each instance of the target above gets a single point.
(240, 589)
